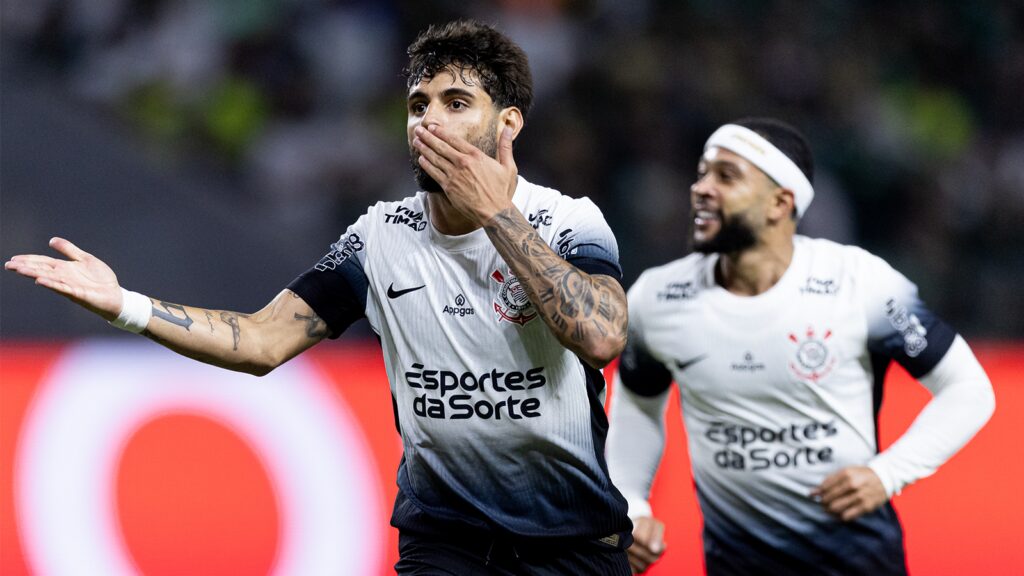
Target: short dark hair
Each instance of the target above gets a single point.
(474, 48)
(786, 138)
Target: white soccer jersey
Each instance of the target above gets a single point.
(778, 391)
(501, 425)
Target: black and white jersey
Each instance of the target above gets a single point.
(502, 426)
(778, 391)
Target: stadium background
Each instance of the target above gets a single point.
(211, 150)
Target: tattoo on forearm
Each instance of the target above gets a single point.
(575, 305)
(209, 318)
(208, 358)
(184, 321)
(231, 319)
(315, 327)
(579, 334)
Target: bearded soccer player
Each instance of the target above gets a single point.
(779, 344)
(496, 302)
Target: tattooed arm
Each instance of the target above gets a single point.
(255, 343)
(586, 312)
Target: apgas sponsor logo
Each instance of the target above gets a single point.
(457, 391)
(909, 326)
(748, 364)
(341, 250)
(541, 218)
(678, 291)
(758, 448)
(459, 309)
(407, 217)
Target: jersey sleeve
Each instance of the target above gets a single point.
(900, 327)
(636, 432)
(336, 286)
(640, 371)
(584, 239)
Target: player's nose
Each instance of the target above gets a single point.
(701, 187)
(433, 116)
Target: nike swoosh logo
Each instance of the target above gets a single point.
(392, 293)
(690, 362)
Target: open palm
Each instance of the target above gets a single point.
(83, 278)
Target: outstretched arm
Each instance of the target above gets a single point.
(587, 313)
(254, 343)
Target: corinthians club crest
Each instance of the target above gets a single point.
(813, 360)
(512, 304)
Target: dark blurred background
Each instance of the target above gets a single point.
(211, 150)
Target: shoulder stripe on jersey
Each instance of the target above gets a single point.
(640, 372)
(597, 266)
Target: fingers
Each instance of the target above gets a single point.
(636, 565)
(436, 149)
(640, 559)
(28, 263)
(68, 249)
(45, 274)
(31, 266)
(447, 143)
(648, 543)
(649, 533)
(32, 260)
(835, 486)
(433, 170)
(505, 148)
(851, 492)
(839, 506)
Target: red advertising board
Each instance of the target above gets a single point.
(120, 458)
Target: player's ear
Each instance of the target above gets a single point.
(511, 117)
(782, 205)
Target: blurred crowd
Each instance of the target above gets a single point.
(915, 111)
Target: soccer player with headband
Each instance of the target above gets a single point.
(779, 344)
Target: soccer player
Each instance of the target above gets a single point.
(496, 302)
(779, 344)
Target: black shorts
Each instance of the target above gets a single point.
(429, 546)
(483, 553)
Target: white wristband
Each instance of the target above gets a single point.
(136, 310)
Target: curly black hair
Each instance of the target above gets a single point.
(474, 49)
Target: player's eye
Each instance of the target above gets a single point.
(458, 105)
(417, 108)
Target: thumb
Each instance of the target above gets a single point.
(68, 249)
(658, 540)
(505, 148)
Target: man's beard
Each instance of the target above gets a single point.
(734, 235)
(487, 143)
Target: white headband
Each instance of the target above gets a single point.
(763, 154)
